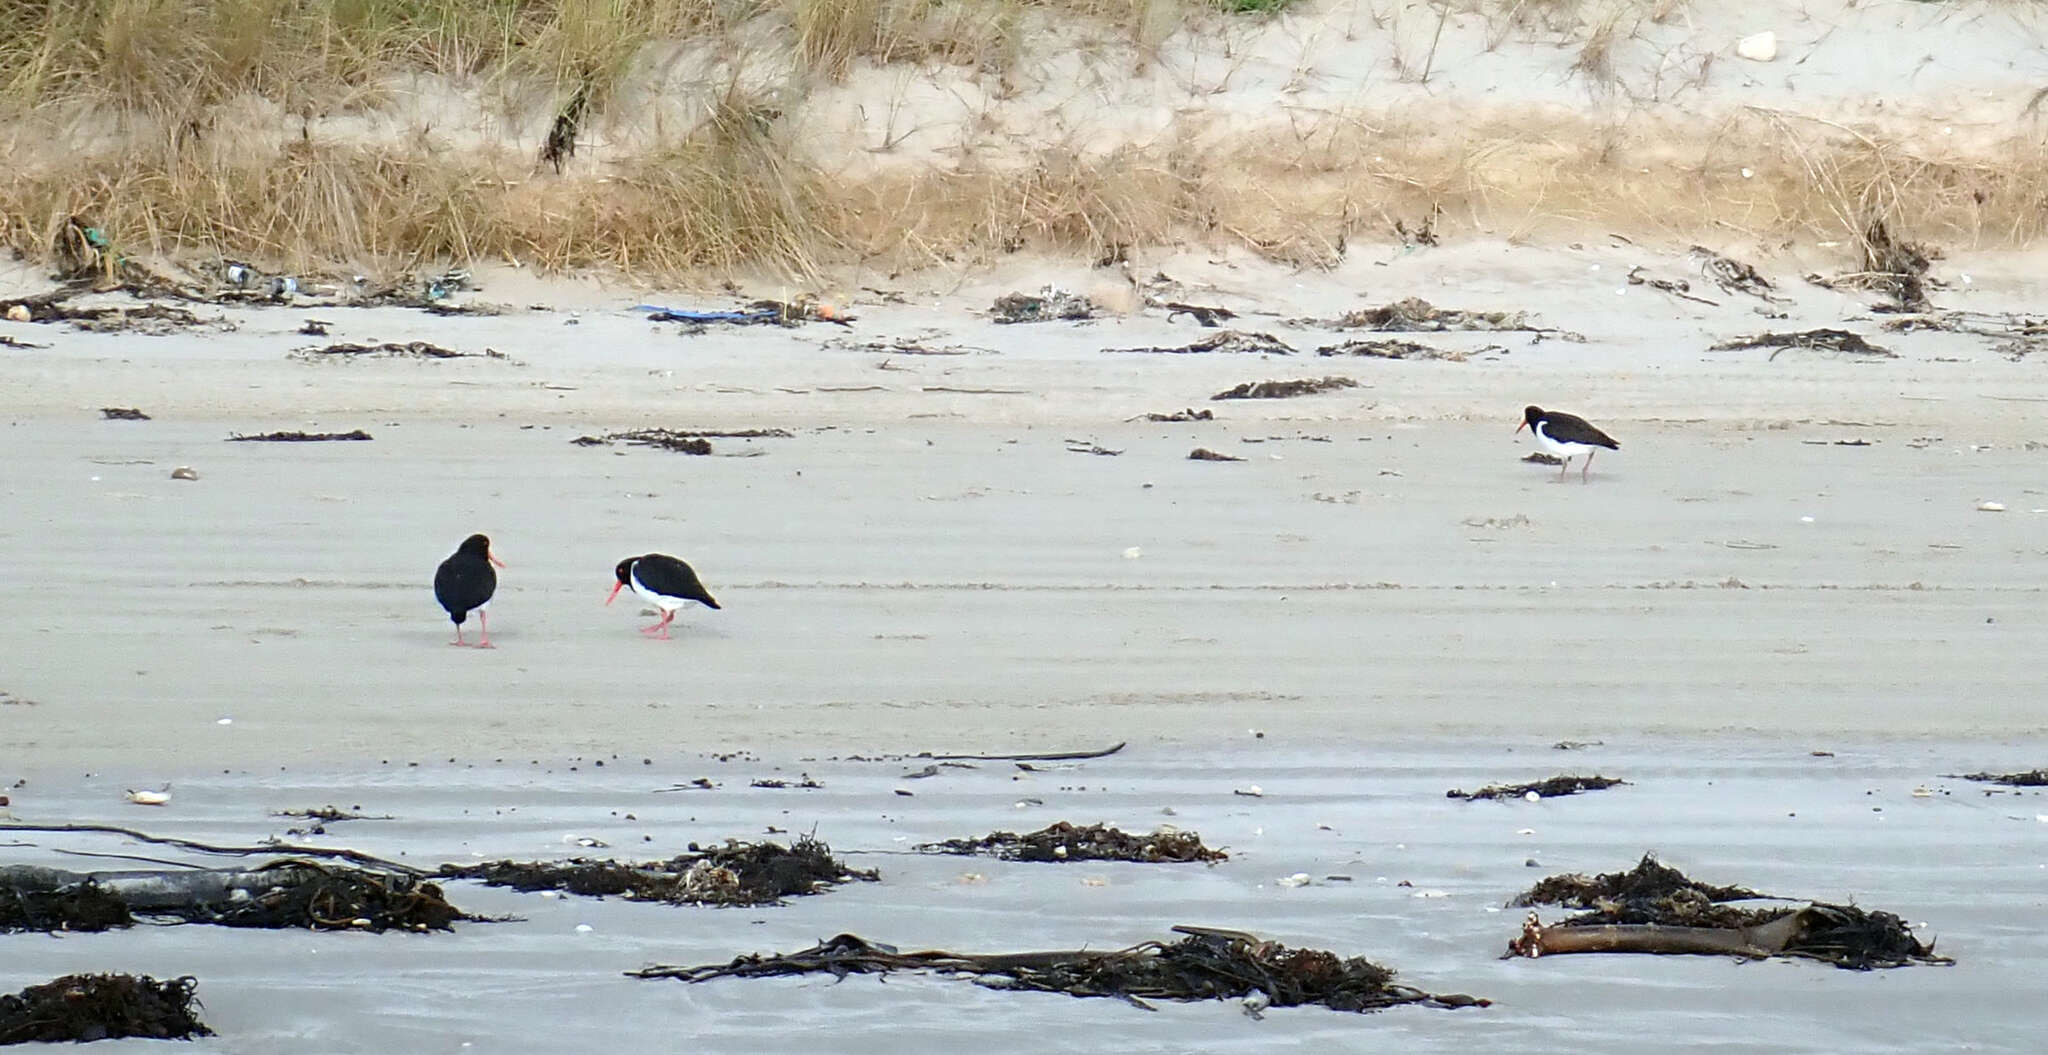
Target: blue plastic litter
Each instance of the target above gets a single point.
(662, 314)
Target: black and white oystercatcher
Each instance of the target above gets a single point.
(1566, 436)
(662, 581)
(465, 582)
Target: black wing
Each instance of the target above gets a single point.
(670, 577)
(1571, 428)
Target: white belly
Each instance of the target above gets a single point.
(666, 604)
(1561, 448)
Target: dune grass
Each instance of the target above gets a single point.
(165, 153)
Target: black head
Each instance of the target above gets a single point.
(476, 546)
(1531, 415)
(625, 571)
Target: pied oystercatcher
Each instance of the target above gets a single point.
(662, 581)
(1566, 436)
(465, 582)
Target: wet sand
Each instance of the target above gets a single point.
(1762, 813)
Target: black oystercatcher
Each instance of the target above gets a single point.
(1567, 436)
(465, 582)
(662, 581)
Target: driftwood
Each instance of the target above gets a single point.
(1056, 756)
(337, 852)
(1206, 965)
(1843, 935)
(283, 893)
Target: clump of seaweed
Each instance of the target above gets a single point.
(1095, 842)
(738, 873)
(286, 893)
(1243, 342)
(2032, 778)
(1825, 339)
(78, 907)
(1206, 965)
(1285, 389)
(1551, 787)
(87, 1007)
(1047, 305)
(356, 435)
(1655, 908)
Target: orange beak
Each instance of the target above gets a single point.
(1523, 425)
(494, 559)
(616, 587)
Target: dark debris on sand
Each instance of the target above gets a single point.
(1655, 908)
(1415, 315)
(1186, 414)
(1063, 841)
(1205, 965)
(1204, 454)
(2032, 778)
(1232, 341)
(1285, 389)
(1735, 276)
(1651, 892)
(681, 441)
(88, 1007)
(1826, 339)
(1206, 315)
(122, 414)
(301, 437)
(1394, 348)
(738, 873)
(1047, 305)
(392, 349)
(75, 907)
(1548, 788)
(286, 893)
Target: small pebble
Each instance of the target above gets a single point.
(1991, 507)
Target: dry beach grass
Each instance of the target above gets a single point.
(711, 137)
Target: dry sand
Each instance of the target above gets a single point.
(1381, 587)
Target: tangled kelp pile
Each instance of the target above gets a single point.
(352, 436)
(738, 873)
(1285, 389)
(1205, 965)
(1654, 908)
(2033, 778)
(1551, 787)
(681, 441)
(391, 350)
(287, 893)
(1246, 342)
(1825, 339)
(74, 907)
(1394, 348)
(87, 1007)
(1095, 842)
(1047, 305)
(1415, 315)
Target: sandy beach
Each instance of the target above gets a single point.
(1787, 555)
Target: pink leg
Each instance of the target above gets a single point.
(661, 626)
(458, 636)
(484, 630)
(1564, 467)
(1586, 468)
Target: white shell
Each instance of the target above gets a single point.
(1758, 47)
